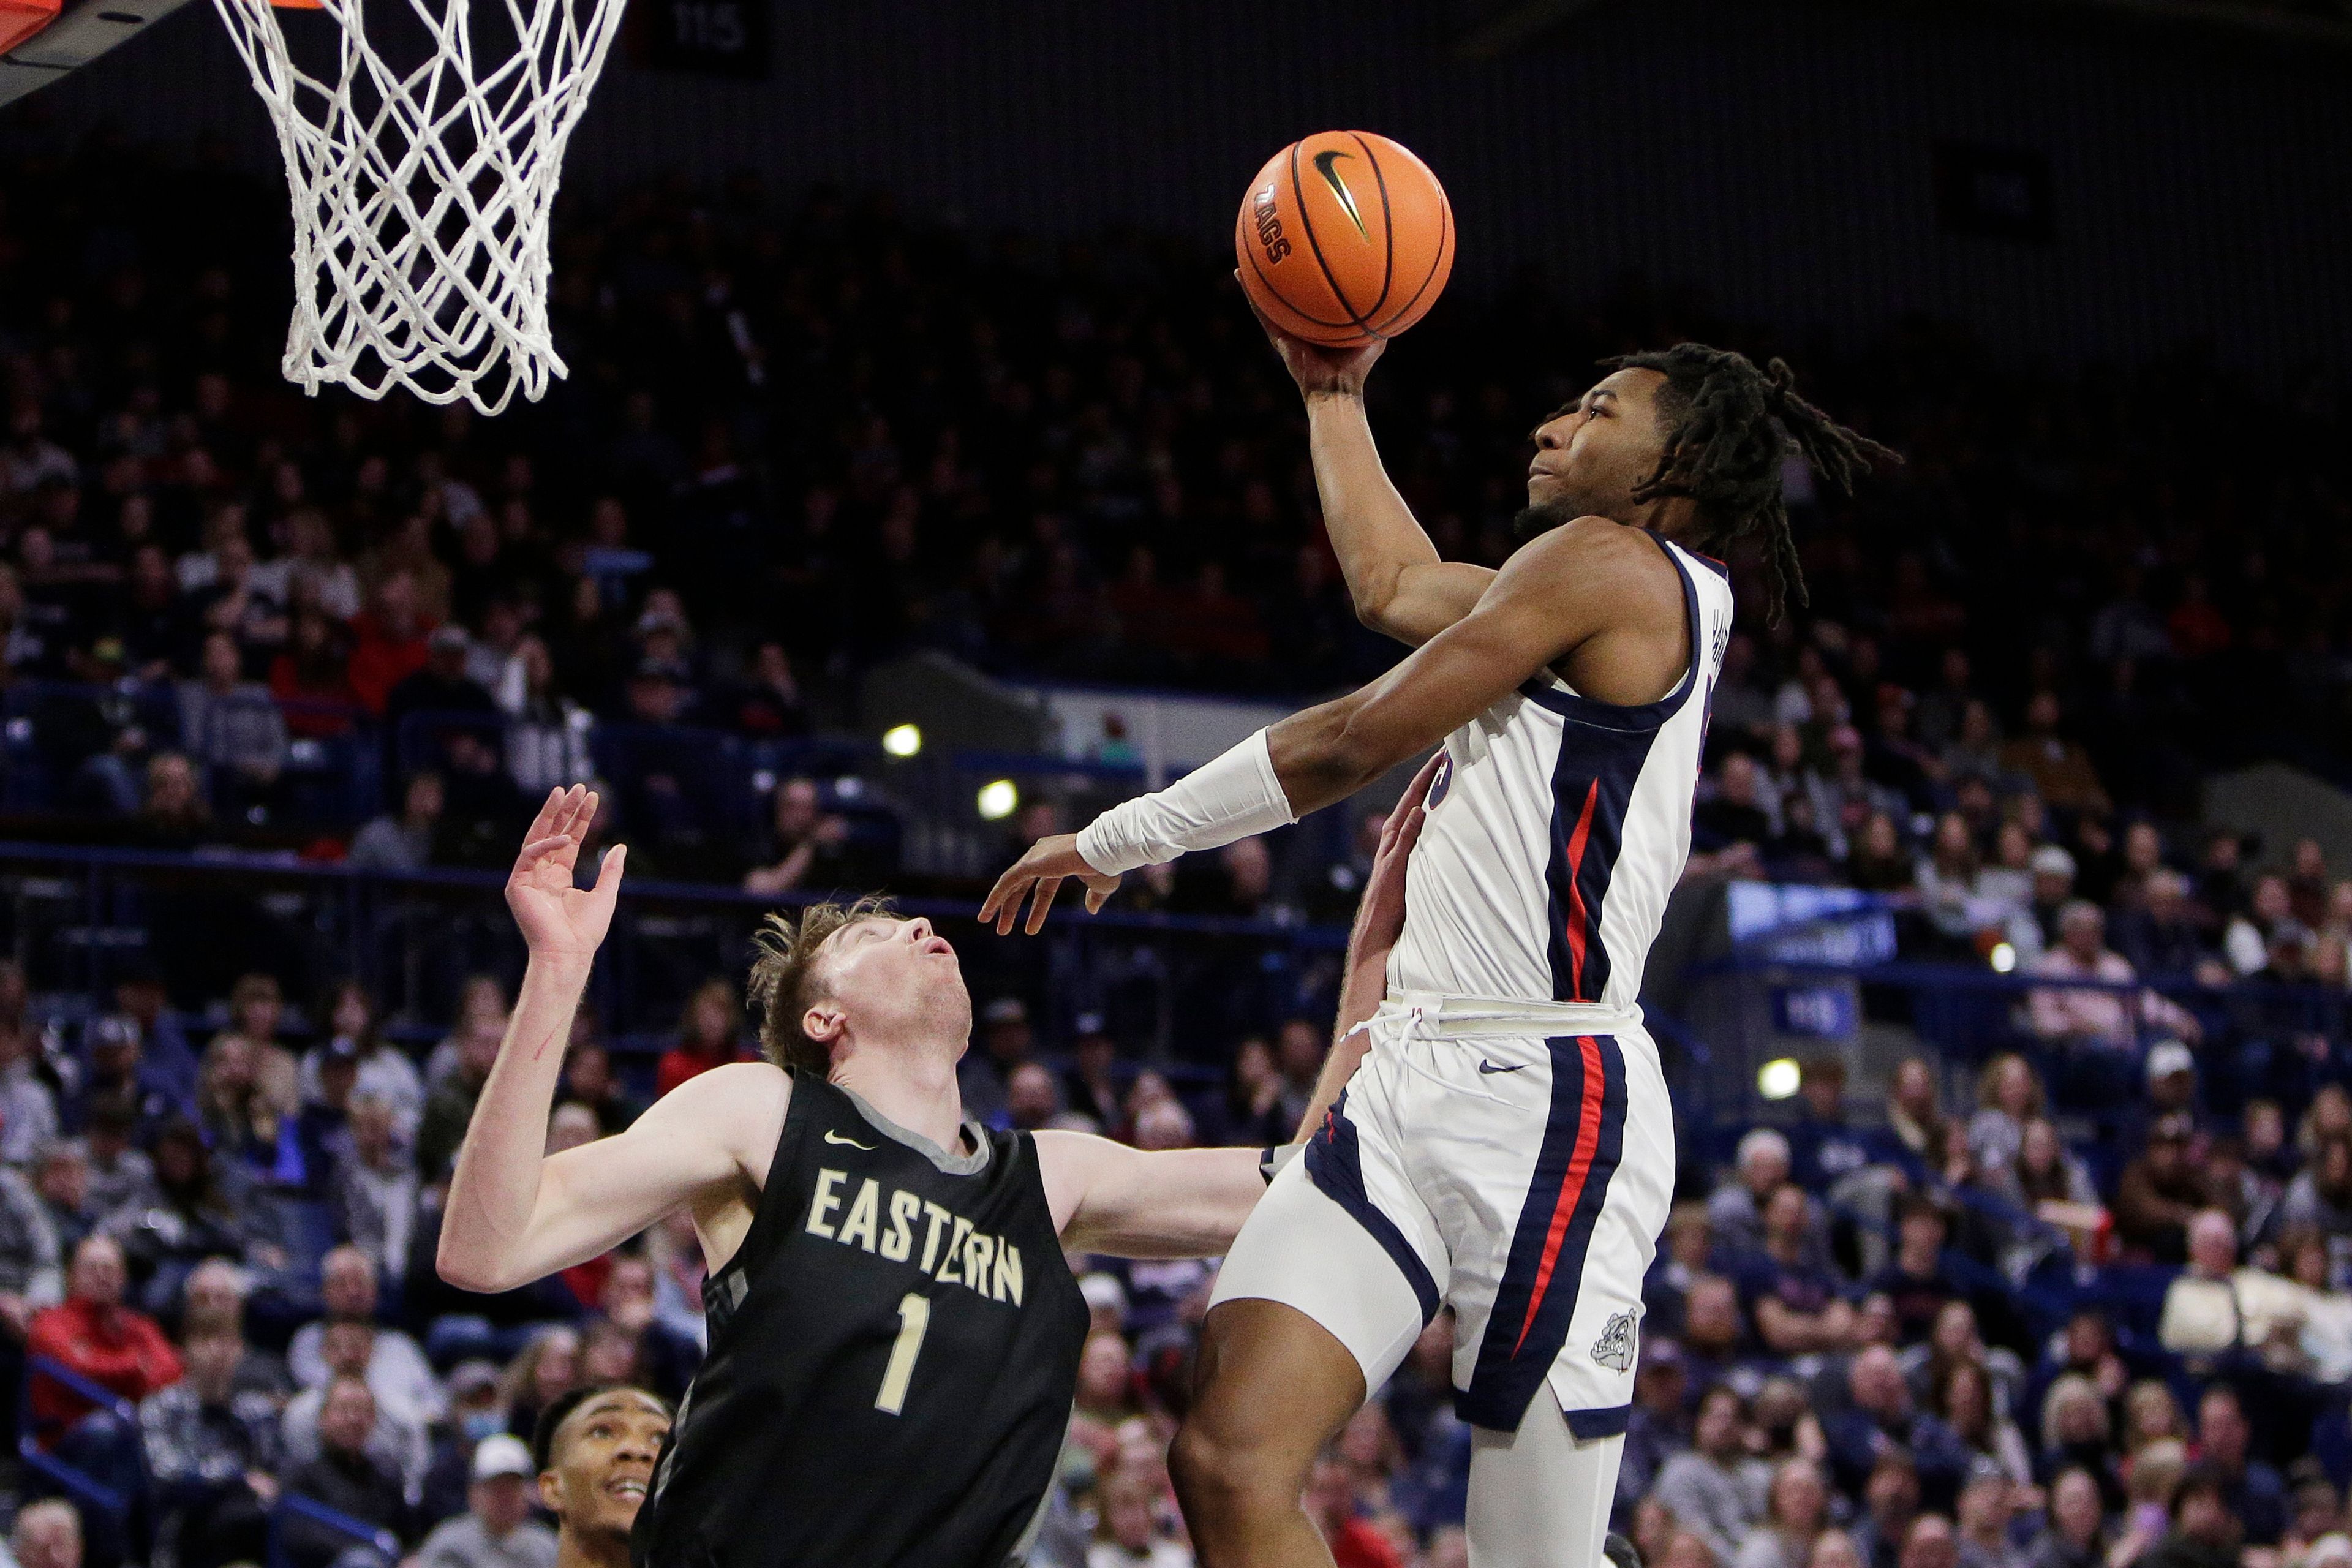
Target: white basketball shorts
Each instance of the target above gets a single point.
(1514, 1161)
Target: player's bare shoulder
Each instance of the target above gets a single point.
(1623, 596)
(739, 1108)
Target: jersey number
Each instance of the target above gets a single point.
(914, 1320)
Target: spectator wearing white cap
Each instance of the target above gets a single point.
(2051, 886)
(496, 1531)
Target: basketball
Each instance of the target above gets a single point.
(1344, 239)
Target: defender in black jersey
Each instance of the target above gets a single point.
(894, 1330)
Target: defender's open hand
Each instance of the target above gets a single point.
(558, 919)
(1380, 918)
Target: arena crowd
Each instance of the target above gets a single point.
(2094, 1311)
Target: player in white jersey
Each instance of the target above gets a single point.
(1504, 1142)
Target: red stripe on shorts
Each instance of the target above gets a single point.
(1580, 1166)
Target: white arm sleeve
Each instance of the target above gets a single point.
(1230, 798)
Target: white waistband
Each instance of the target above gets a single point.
(1461, 1017)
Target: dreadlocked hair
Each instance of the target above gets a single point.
(784, 979)
(1728, 427)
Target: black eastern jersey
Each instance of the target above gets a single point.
(894, 1353)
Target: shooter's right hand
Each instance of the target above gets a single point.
(1319, 370)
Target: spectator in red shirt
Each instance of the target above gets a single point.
(1331, 1504)
(387, 640)
(709, 1036)
(93, 1333)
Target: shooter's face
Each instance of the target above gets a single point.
(1590, 456)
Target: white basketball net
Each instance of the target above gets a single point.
(422, 194)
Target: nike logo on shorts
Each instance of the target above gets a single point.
(832, 1136)
(1485, 1066)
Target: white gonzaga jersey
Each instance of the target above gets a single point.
(1557, 828)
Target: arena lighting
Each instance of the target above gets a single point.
(998, 798)
(902, 740)
(1777, 1079)
(2004, 958)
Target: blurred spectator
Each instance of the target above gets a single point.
(496, 1531)
(2061, 770)
(394, 1442)
(2252, 1492)
(385, 1070)
(1916, 1280)
(1915, 1111)
(61, 1178)
(120, 1173)
(2072, 1534)
(2160, 935)
(1796, 1513)
(31, 1273)
(2158, 1191)
(47, 1534)
(1330, 1502)
(375, 1188)
(197, 1210)
(449, 1103)
(709, 1035)
(2095, 1016)
(1714, 1489)
(1126, 1534)
(342, 1472)
(29, 1112)
(1880, 1413)
(230, 724)
(406, 842)
(1793, 1300)
(93, 1333)
(805, 847)
(1890, 1504)
(213, 1449)
(2204, 1533)
(1735, 1210)
(1658, 1425)
(396, 1370)
(2008, 1095)
(248, 1087)
(1098, 1082)
(985, 1075)
(174, 814)
(167, 1063)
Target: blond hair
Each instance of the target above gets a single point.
(784, 981)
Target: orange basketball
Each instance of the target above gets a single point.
(1344, 237)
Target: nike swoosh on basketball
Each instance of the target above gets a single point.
(832, 1136)
(1485, 1066)
(1323, 162)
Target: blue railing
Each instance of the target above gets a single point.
(35, 1437)
(1177, 986)
(292, 1506)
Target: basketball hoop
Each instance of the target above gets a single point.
(422, 189)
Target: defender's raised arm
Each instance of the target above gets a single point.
(514, 1215)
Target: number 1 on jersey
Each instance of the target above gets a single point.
(914, 1320)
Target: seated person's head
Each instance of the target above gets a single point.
(347, 1280)
(346, 1415)
(595, 1449)
(97, 1276)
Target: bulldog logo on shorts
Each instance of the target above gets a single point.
(1614, 1348)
